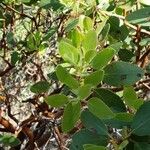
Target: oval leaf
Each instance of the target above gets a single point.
(141, 121)
(71, 116)
(68, 52)
(56, 100)
(88, 23)
(90, 41)
(140, 17)
(93, 123)
(66, 78)
(9, 140)
(93, 147)
(89, 56)
(102, 58)
(40, 87)
(113, 101)
(104, 32)
(86, 137)
(100, 109)
(122, 73)
(84, 91)
(94, 78)
(130, 98)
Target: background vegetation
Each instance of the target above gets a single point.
(75, 74)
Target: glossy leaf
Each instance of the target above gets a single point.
(68, 52)
(71, 115)
(102, 58)
(122, 73)
(66, 78)
(100, 109)
(94, 78)
(40, 87)
(56, 100)
(141, 121)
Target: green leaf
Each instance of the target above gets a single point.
(101, 26)
(15, 57)
(123, 145)
(31, 43)
(124, 117)
(9, 140)
(71, 24)
(68, 52)
(40, 87)
(125, 55)
(89, 41)
(56, 100)
(37, 38)
(71, 115)
(116, 46)
(141, 122)
(86, 137)
(144, 41)
(76, 37)
(94, 78)
(113, 101)
(34, 41)
(122, 73)
(84, 91)
(102, 58)
(67, 3)
(141, 146)
(140, 17)
(100, 109)
(88, 23)
(49, 34)
(89, 56)
(66, 78)
(25, 1)
(93, 123)
(104, 32)
(148, 68)
(54, 4)
(93, 147)
(10, 38)
(130, 98)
